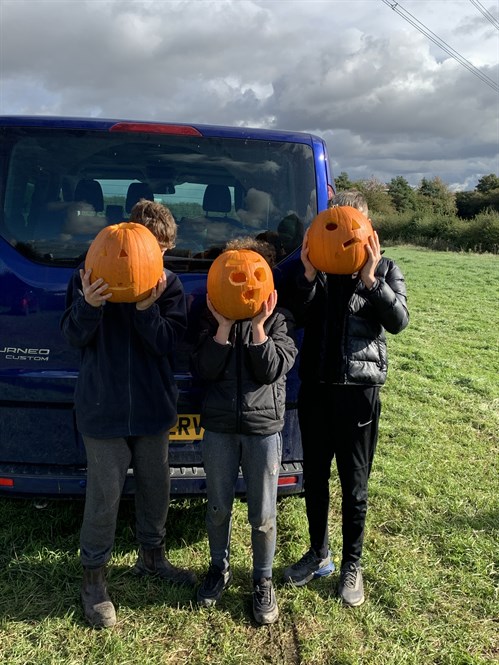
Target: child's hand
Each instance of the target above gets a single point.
(310, 271)
(373, 258)
(224, 324)
(154, 295)
(93, 293)
(259, 319)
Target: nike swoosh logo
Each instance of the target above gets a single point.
(359, 424)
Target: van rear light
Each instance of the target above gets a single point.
(6, 482)
(155, 128)
(288, 480)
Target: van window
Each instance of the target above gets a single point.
(63, 186)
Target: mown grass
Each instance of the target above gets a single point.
(431, 550)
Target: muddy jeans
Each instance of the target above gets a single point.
(260, 459)
(108, 461)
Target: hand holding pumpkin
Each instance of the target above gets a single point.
(259, 319)
(310, 271)
(156, 291)
(224, 324)
(373, 250)
(94, 293)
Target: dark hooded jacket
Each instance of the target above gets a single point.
(245, 383)
(125, 385)
(344, 324)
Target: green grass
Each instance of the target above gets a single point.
(431, 550)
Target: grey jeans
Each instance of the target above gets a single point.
(259, 458)
(108, 461)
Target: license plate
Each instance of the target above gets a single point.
(187, 428)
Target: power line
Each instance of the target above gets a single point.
(486, 13)
(441, 43)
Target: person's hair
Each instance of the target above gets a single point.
(262, 247)
(352, 198)
(158, 219)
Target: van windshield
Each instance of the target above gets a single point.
(60, 187)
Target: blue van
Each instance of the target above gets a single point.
(61, 181)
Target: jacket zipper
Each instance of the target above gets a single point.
(238, 343)
(129, 384)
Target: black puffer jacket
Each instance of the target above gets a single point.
(245, 383)
(125, 385)
(363, 319)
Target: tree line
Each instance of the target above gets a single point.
(430, 214)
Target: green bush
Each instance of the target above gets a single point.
(440, 231)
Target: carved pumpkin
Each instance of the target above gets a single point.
(239, 282)
(128, 257)
(337, 240)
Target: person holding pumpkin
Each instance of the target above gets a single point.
(126, 395)
(346, 297)
(244, 352)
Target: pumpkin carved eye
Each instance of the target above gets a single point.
(260, 275)
(237, 278)
(331, 226)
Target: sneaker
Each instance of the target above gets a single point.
(265, 608)
(351, 586)
(307, 568)
(214, 584)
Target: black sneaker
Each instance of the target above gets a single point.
(307, 568)
(265, 608)
(214, 584)
(351, 586)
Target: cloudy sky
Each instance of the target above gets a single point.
(387, 99)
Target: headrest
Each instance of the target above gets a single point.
(90, 191)
(217, 199)
(137, 191)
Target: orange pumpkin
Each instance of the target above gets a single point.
(337, 240)
(239, 282)
(128, 257)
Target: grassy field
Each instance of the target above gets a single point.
(431, 550)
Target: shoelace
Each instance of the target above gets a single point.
(309, 557)
(263, 593)
(349, 576)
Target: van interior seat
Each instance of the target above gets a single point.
(137, 191)
(114, 214)
(90, 191)
(217, 199)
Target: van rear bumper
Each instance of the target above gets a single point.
(25, 480)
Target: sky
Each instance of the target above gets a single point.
(387, 99)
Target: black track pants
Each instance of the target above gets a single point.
(338, 421)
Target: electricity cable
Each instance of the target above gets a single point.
(485, 12)
(407, 16)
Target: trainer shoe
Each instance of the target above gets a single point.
(265, 608)
(214, 584)
(351, 586)
(307, 568)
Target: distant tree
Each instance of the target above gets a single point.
(343, 182)
(487, 183)
(376, 193)
(401, 193)
(434, 195)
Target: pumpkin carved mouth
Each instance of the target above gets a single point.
(250, 294)
(349, 243)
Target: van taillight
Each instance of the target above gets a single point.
(154, 128)
(288, 480)
(6, 482)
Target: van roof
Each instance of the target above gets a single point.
(106, 124)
